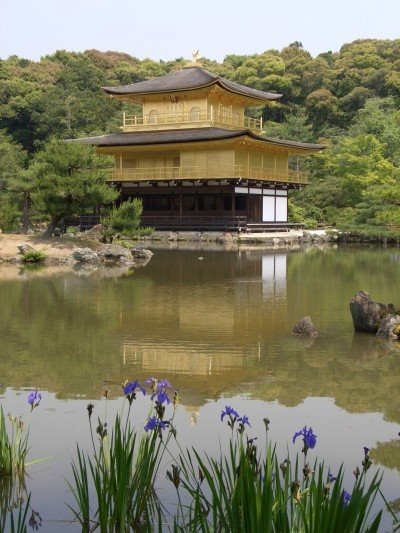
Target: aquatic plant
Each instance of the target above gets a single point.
(246, 489)
(14, 442)
(122, 469)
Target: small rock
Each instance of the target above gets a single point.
(114, 253)
(24, 247)
(390, 327)
(141, 253)
(225, 238)
(29, 232)
(367, 314)
(305, 327)
(200, 258)
(85, 255)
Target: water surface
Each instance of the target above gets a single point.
(219, 329)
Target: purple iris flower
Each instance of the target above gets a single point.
(34, 399)
(155, 423)
(244, 420)
(131, 386)
(161, 397)
(229, 411)
(331, 478)
(366, 450)
(309, 439)
(163, 384)
(346, 497)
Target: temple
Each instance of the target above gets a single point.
(196, 159)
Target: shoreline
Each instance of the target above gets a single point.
(59, 250)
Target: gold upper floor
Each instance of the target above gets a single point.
(210, 107)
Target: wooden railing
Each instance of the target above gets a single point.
(198, 118)
(197, 173)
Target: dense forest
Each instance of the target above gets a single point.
(349, 100)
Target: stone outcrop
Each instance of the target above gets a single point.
(367, 315)
(24, 247)
(96, 233)
(85, 255)
(114, 253)
(305, 327)
(225, 238)
(141, 253)
(390, 327)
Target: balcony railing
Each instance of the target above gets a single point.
(192, 119)
(196, 173)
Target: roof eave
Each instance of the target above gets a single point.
(271, 97)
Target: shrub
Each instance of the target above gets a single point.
(34, 256)
(124, 219)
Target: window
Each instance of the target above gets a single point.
(152, 117)
(195, 114)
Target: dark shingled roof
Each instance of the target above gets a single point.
(184, 80)
(140, 138)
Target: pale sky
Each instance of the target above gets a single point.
(166, 30)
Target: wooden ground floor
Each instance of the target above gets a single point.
(254, 203)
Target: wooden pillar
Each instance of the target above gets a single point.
(180, 201)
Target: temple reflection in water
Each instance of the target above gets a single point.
(200, 313)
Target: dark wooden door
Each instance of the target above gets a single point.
(254, 208)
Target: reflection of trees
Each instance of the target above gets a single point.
(387, 454)
(62, 333)
(362, 377)
(209, 326)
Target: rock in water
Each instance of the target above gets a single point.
(305, 327)
(141, 253)
(114, 253)
(390, 327)
(85, 255)
(367, 314)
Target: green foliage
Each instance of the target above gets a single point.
(33, 256)
(350, 94)
(244, 490)
(13, 447)
(124, 219)
(71, 180)
(122, 473)
(247, 491)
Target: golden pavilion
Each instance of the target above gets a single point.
(196, 159)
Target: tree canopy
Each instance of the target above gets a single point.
(349, 99)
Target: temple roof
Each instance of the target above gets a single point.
(140, 138)
(187, 79)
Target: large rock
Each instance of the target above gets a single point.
(367, 315)
(95, 234)
(390, 327)
(141, 253)
(85, 255)
(305, 327)
(114, 253)
(24, 247)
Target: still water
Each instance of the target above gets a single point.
(220, 330)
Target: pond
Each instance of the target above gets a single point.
(219, 328)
